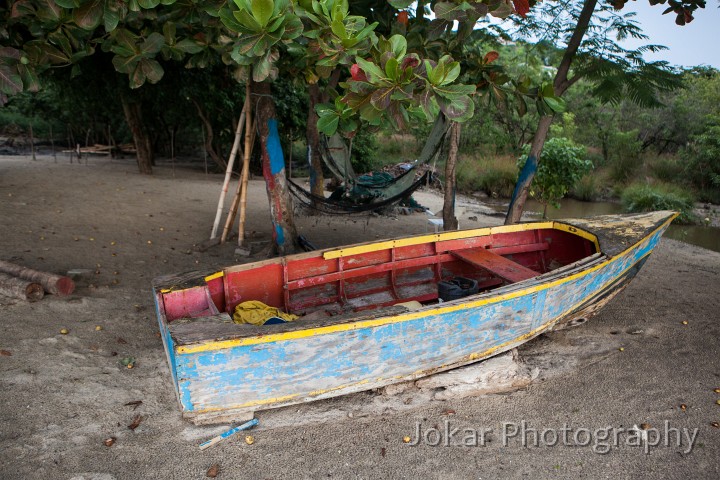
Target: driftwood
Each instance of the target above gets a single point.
(18, 288)
(55, 284)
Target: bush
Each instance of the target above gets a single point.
(562, 165)
(496, 176)
(703, 161)
(648, 198)
(667, 169)
(624, 158)
(586, 189)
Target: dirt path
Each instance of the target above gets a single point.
(61, 396)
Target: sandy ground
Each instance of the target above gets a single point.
(61, 396)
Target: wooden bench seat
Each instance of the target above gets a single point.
(497, 264)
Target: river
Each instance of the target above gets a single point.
(706, 237)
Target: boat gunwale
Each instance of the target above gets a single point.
(514, 290)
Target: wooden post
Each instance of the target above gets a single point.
(238, 192)
(52, 142)
(246, 167)
(32, 141)
(228, 170)
(55, 284)
(17, 288)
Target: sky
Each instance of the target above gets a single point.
(697, 43)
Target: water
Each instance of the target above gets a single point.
(706, 237)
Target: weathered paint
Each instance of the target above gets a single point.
(272, 370)
(277, 160)
(524, 179)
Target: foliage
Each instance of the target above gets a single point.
(493, 175)
(624, 155)
(563, 164)
(703, 160)
(647, 198)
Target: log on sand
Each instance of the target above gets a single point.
(55, 284)
(18, 288)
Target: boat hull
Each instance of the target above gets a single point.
(217, 379)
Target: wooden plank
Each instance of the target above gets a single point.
(499, 265)
(526, 248)
(369, 270)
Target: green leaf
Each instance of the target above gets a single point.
(111, 18)
(392, 69)
(151, 69)
(125, 64)
(153, 44)
(401, 4)
(398, 45)
(189, 46)
(89, 15)
(328, 124)
(557, 105)
(372, 71)
(148, 4)
(68, 3)
(10, 80)
(262, 10)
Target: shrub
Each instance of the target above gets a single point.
(703, 161)
(648, 198)
(624, 158)
(496, 176)
(562, 165)
(667, 169)
(586, 189)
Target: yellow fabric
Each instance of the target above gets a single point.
(257, 313)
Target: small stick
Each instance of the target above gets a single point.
(229, 433)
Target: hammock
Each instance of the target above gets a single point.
(371, 191)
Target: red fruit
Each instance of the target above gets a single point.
(357, 74)
(403, 17)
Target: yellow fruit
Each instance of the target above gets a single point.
(406, 439)
(130, 365)
(64, 331)
(622, 349)
(249, 439)
(98, 328)
(684, 322)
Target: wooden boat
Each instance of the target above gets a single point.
(352, 335)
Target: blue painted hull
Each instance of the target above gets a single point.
(261, 374)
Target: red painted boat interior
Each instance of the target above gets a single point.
(309, 283)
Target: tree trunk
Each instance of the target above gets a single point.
(312, 136)
(55, 284)
(450, 222)
(143, 146)
(22, 289)
(560, 84)
(273, 165)
(210, 136)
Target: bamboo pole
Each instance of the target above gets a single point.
(18, 288)
(238, 193)
(54, 284)
(245, 170)
(228, 170)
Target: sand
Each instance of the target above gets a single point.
(61, 396)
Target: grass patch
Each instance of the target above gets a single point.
(647, 198)
(494, 175)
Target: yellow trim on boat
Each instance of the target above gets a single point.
(214, 276)
(275, 337)
(438, 237)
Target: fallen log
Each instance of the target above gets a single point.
(55, 284)
(18, 288)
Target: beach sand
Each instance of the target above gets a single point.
(61, 395)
